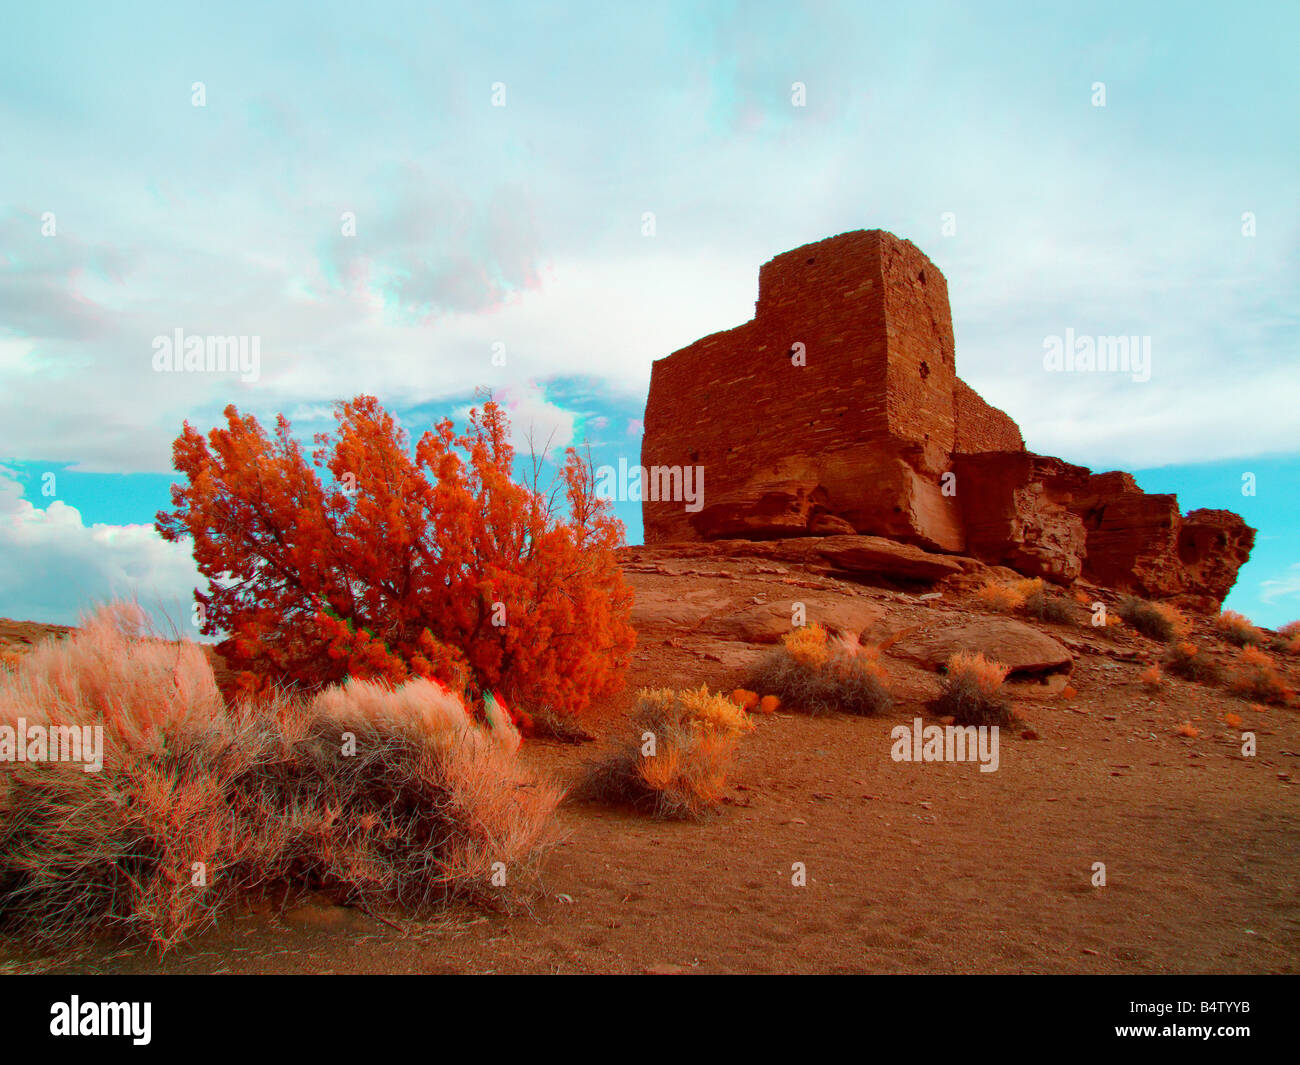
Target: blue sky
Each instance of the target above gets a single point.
(481, 226)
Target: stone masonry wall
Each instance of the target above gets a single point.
(981, 427)
(859, 433)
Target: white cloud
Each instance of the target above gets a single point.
(54, 567)
(536, 424)
(1113, 221)
(1286, 587)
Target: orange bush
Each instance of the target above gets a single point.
(434, 563)
(1236, 628)
(1151, 678)
(1189, 730)
(1159, 621)
(1288, 638)
(746, 700)
(768, 704)
(807, 645)
(1184, 659)
(1233, 720)
(970, 692)
(815, 674)
(983, 673)
(684, 774)
(1256, 677)
(1001, 597)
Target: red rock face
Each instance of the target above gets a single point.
(838, 410)
(1141, 543)
(1018, 510)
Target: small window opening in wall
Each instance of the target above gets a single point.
(921, 277)
(925, 370)
(811, 261)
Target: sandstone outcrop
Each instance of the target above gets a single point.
(837, 411)
(848, 556)
(1013, 643)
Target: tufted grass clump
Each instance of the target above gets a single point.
(1287, 639)
(1044, 606)
(1159, 621)
(1006, 597)
(375, 795)
(1255, 676)
(675, 760)
(1237, 629)
(816, 673)
(971, 691)
(1184, 659)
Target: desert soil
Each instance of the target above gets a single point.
(911, 867)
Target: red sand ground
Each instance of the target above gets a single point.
(910, 867)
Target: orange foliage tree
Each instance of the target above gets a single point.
(434, 563)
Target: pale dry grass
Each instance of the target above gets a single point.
(376, 796)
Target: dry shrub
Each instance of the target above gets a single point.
(273, 797)
(1184, 659)
(746, 700)
(1233, 720)
(1160, 621)
(679, 770)
(972, 691)
(1236, 628)
(807, 645)
(1287, 640)
(1044, 606)
(562, 726)
(1189, 730)
(1027, 586)
(818, 674)
(768, 704)
(1151, 678)
(1001, 598)
(1256, 677)
(1030, 595)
